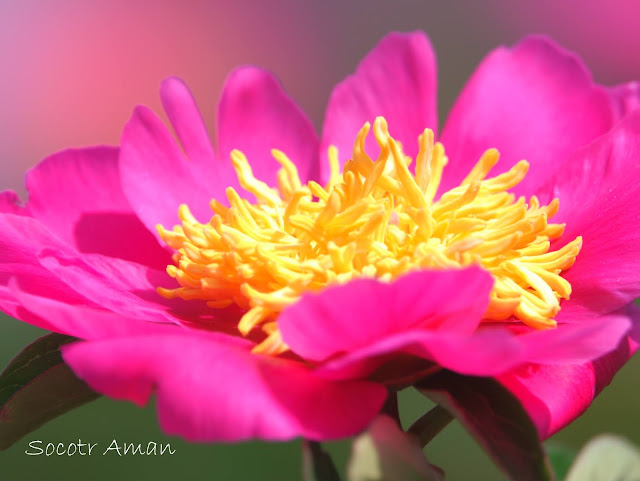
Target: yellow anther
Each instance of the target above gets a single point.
(272, 345)
(483, 167)
(375, 219)
(248, 182)
(438, 161)
(251, 319)
(423, 161)
(317, 190)
(334, 165)
(412, 191)
(361, 160)
(288, 168)
(218, 208)
(185, 215)
(509, 179)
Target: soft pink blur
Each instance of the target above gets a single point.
(605, 33)
(73, 70)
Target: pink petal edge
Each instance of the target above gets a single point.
(211, 388)
(600, 201)
(396, 79)
(157, 177)
(76, 193)
(10, 203)
(255, 115)
(354, 315)
(554, 395)
(535, 79)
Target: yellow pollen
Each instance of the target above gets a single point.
(374, 220)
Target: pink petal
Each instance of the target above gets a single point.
(431, 316)
(211, 388)
(534, 101)
(600, 201)
(82, 321)
(44, 265)
(130, 290)
(585, 337)
(397, 80)
(255, 115)
(21, 238)
(123, 287)
(395, 358)
(626, 97)
(183, 113)
(554, 395)
(10, 203)
(33, 279)
(77, 195)
(361, 312)
(157, 177)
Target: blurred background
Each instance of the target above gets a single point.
(71, 72)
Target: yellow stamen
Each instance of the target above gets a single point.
(375, 219)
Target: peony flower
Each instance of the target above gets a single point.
(285, 292)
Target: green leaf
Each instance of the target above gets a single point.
(385, 453)
(36, 387)
(317, 464)
(496, 419)
(560, 458)
(606, 458)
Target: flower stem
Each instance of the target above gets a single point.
(430, 424)
(317, 465)
(390, 407)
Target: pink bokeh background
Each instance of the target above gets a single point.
(73, 70)
(605, 33)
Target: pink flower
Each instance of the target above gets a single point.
(312, 350)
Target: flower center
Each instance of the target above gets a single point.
(376, 220)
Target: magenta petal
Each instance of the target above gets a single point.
(82, 321)
(626, 98)
(34, 279)
(43, 265)
(187, 121)
(126, 287)
(10, 203)
(588, 336)
(21, 238)
(397, 80)
(363, 311)
(600, 201)
(77, 195)
(12, 299)
(123, 287)
(211, 388)
(485, 353)
(255, 115)
(534, 101)
(554, 395)
(157, 177)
